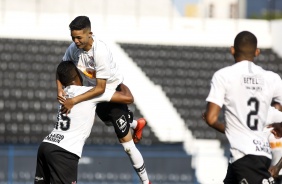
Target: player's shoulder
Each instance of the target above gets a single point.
(227, 70)
(72, 47)
(72, 52)
(272, 74)
(100, 44)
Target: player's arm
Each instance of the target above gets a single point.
(94, 92)
(274, 170)
(277, 105)
(211, 117)
(123, 96)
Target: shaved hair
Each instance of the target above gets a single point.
(67, 72)
(245, 45)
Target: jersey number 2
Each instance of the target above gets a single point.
(253, 122)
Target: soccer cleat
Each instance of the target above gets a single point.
(137, 135)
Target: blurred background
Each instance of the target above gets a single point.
(168, 51)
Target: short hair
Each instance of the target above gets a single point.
(67, 72)
(245, 44)
(79, 23)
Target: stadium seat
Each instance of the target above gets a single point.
(187, 71)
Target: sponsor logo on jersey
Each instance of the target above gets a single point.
(262, 146)
(253, 83)
(122, 123)
(54, 137)
(274, 144)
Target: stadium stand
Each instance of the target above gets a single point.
(184, 73)
(29, 93)
(28, 109)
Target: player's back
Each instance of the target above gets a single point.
(249, 90)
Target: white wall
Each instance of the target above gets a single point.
(276, 27)
(125, 21)
(140, 21)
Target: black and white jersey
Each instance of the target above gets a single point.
(246, 90)
(98, 59)
(71, 131)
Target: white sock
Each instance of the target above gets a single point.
(136, 160)
(133, 125)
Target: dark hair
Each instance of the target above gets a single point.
(79, 23)
(245, 44)
(66, 72)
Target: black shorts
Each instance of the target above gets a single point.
(278, 180)
(117, 114)
(55, 165)
(250, 169)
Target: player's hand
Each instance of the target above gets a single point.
(274, 171)
(67, 105)
(60, 97)
(277, 129)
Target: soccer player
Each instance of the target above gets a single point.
(276, 150)
(246, 90)
(58, 154)
(98, 68)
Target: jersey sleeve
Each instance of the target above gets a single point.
(105, 97)
(71, 53)
(273, 116)
(217, 90)
(277, 96)
(103, 61)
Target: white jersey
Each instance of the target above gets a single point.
(275, 144)
(276, 148)
(70, 132)
(99, 58)
(246, 90)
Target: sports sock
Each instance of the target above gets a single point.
(136, 160)
(133, 124)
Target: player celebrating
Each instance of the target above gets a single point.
(246, 90)
(58, 154)
(98, 68)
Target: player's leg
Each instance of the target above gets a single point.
(63, 165)
(42, 172)
(137, 126)
(247, 172)
(103, 111)
(279, 179)
(230, 177)
(121, 124)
